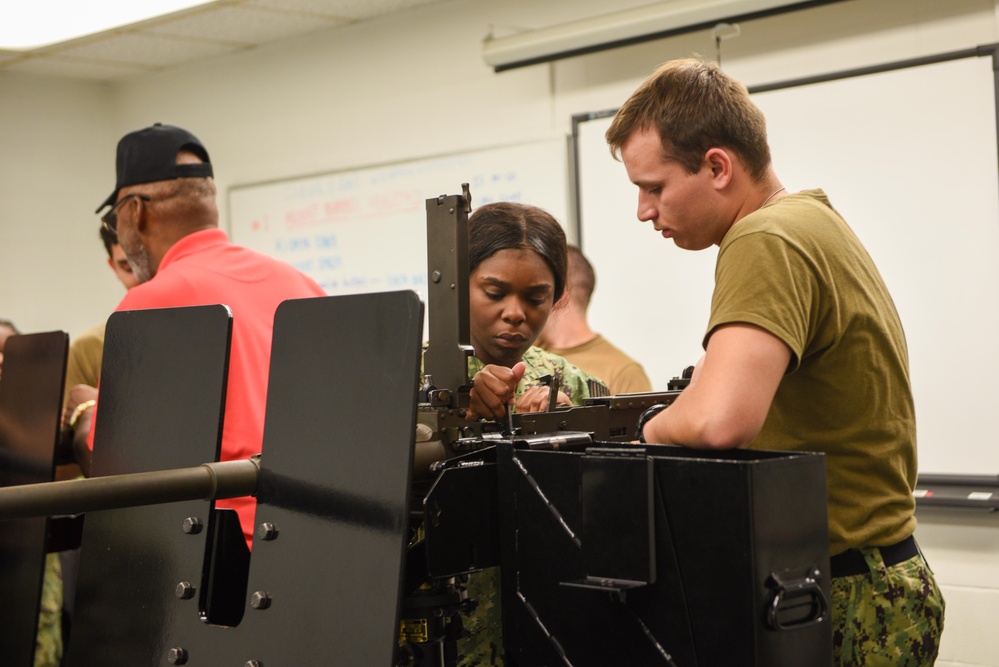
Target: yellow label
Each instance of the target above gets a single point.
(414, 630)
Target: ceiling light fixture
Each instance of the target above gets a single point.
(30, 25)
(640, 24)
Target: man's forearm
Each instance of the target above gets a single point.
(81, 448)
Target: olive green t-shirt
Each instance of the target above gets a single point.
(795, 269)
(83, 366)
(621, 373)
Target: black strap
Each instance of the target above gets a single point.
(644, 418)
(852, 562)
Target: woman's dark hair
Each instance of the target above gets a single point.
(508, 225)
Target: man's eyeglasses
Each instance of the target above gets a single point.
(110, 219)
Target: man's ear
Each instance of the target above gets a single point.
(721, 164)
(142, 220)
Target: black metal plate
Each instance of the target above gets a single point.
(30, 408)
(337, 463)
(160, 407)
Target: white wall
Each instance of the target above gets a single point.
(962, 548)
(410, 86)
(54, 138)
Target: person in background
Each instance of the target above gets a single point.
(164, 213)
(83, 372)
(7, 329)
(568, 334)
(83, 368)
(804, 349)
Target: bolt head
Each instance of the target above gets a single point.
(184, 590)
(253, 663)
(260, 600)
(267, 531)
(193, 525)
(177, 656)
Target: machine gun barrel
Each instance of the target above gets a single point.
(226, 479)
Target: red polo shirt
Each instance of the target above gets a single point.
(205, 268)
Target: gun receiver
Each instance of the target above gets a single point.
(444, 398)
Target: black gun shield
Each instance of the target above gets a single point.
(325, 575)
(30, 409)
(160, 407)
(337, 464)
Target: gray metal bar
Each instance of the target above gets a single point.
(228, 479)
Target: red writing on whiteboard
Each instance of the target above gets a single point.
(302, 215)
(341, 207)
(395, 200)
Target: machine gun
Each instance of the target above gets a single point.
(433, 609)
(444, 396)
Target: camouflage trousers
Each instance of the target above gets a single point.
(484, 645)
(891, 617)
(48, 647)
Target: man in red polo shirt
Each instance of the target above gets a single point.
(164, 212)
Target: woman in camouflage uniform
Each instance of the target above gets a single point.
(518, 265)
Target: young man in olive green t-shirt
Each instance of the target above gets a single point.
(804, 349)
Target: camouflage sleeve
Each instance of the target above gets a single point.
(576, 383)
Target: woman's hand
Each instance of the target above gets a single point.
(493, 388)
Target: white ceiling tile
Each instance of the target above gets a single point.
(244, 25)
(201, 32)
(353, 9)
(145, 49)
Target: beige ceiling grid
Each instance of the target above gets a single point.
(222, 27)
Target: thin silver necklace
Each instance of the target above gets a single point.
(771, 196)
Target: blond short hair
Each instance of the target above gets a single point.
(694, 106)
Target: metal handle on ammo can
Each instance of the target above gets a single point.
(790, 591)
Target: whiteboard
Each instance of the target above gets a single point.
(365, 230)
(909, 157)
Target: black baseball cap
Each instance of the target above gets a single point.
(150, 154)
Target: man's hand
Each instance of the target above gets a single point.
(81, 393)
(76, 420)
(493, 388)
